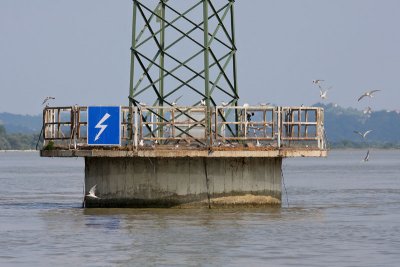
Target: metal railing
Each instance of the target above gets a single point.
(253, 126)
(169, 125)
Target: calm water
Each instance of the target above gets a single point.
(342, 212)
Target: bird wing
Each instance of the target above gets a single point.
(176, 100)
(92, 190)
(357, 132)
(361, 97)
(366, 133)
(366, 156)
(374, 91)
(368, 109)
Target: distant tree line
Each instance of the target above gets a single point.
(17, 141)
(340, 124)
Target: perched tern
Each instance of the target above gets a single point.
(258, 144)
(265, 104)
(141, 143)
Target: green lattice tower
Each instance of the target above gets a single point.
(183, 50)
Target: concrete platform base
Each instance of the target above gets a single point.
(139, 182)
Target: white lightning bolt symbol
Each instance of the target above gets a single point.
(101, 126)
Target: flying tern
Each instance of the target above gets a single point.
(92, 192)
(317, 82)
(367, 110)
(323, 93)
(363, 135)
(224, 104)
(369, 94)
(176, 101)
(47, 99)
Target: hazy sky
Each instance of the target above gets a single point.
(78, 51)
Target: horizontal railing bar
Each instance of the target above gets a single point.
(58, 123)
(57, 138)
(247, 123)
(175, 123)
(299, 138)
(247, 138)
(171, 138)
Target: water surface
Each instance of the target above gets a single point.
(341, 212)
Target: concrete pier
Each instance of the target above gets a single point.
(183, 182)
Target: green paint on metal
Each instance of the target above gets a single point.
(164, 70)
(207, 70)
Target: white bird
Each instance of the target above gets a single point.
(317, 82)
(363, 135)
(141, 143)
(323, 93)
(366, 156)
(258, 144)
(369, 94)
(202, 102)
(367, 110)
(245, 105)
(47, 99)
(176, 101)
(92, 192)
(224, 104)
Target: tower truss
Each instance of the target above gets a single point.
(183, 54)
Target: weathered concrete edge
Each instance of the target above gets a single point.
(189, 201)
(283, 153)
